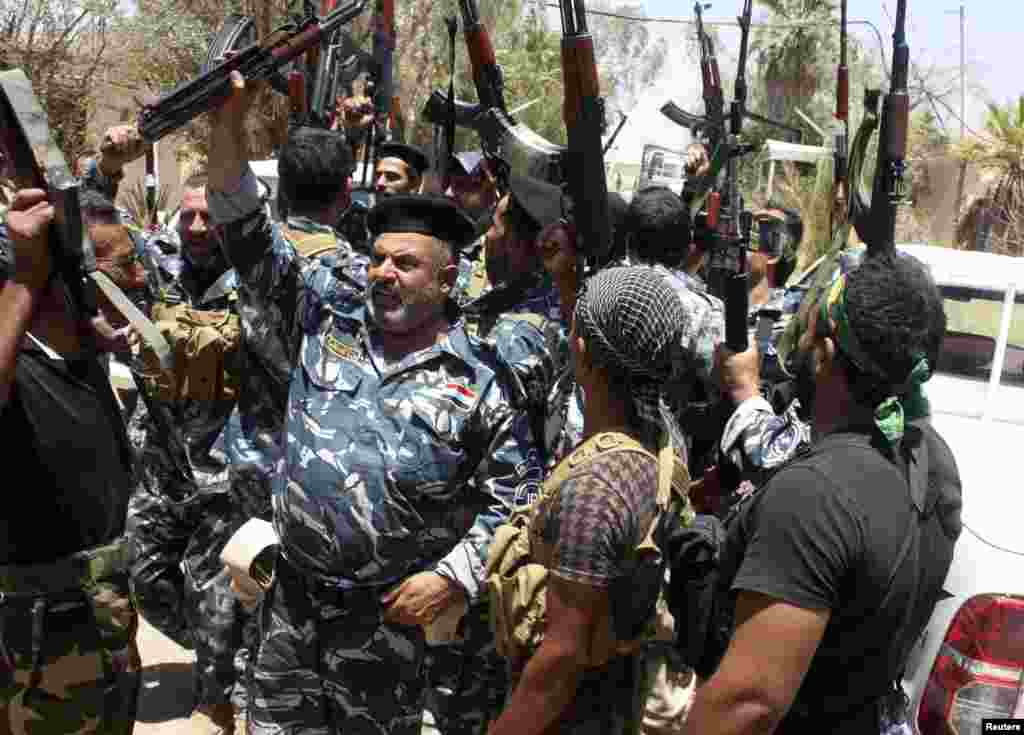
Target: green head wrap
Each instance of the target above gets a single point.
(906, 401)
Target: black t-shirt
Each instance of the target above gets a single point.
(67, 463)
(825, 533)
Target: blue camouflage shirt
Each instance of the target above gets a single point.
(388, 469)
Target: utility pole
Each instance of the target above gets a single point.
(963, 116)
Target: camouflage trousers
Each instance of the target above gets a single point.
(179, 586)
(467, 681)
(328, 663)
(69, 663)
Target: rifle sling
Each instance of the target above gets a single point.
(146, 329)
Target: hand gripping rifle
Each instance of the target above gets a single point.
(261, 60)
(584, 122)
(30, 158)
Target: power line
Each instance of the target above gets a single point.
(733, 24)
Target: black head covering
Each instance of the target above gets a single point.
(414, 157)
(424, 214)
(542, 202)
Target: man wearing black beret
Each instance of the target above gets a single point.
(400, 168)
(402, 453)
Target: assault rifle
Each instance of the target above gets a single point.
(506, 143)
(876, 225)
(261, 60)
(30, 158)
(840, 142)
(584, 124)
(718, 215)
(712, 126)
(711, 81)
(339, 64)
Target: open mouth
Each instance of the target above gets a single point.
(386, 300)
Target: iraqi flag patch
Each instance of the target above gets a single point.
(460, 395)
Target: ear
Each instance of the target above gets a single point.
(828, 364)
(447, 276)
(583, 358)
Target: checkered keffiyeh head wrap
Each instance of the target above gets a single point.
(632, 321)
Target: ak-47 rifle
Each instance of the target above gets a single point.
(877, 225)
(739, 221)
(584, 124)
(711, 81)
(262, 60)
(840, 140)
(718, 214)
(30, 158)
(712, 126)
(506, 143)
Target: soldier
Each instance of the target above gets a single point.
(835, 559)
(68, 657)
(399, 169)
(581, 676)
(402, 454)
(472, 185)
(316, 168)
(182, 474)
(513, 304)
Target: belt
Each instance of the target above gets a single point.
(77, 571)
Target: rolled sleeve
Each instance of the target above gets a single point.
(756, 438)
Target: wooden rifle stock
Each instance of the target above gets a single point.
(584, 121)
(487, 75)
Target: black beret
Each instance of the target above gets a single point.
(413, 156)
(541, 201)
(424, 214)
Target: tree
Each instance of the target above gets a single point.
(62, 46)
(995, 221)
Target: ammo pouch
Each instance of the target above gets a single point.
(205, 345)
(518, 561)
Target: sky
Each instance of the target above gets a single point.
(993, 58)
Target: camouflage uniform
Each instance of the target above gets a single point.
(467, 680)
(388, 470)
(251, 438)
(181, 492)
(89, 665)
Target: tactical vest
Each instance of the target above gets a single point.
(206, 348)
(519, 559)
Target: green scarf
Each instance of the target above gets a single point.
(906, 400)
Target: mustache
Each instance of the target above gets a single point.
(376, 289)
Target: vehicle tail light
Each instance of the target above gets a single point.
(979, 671)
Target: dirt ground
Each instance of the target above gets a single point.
(165, 700)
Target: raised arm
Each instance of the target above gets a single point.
(22, 293)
